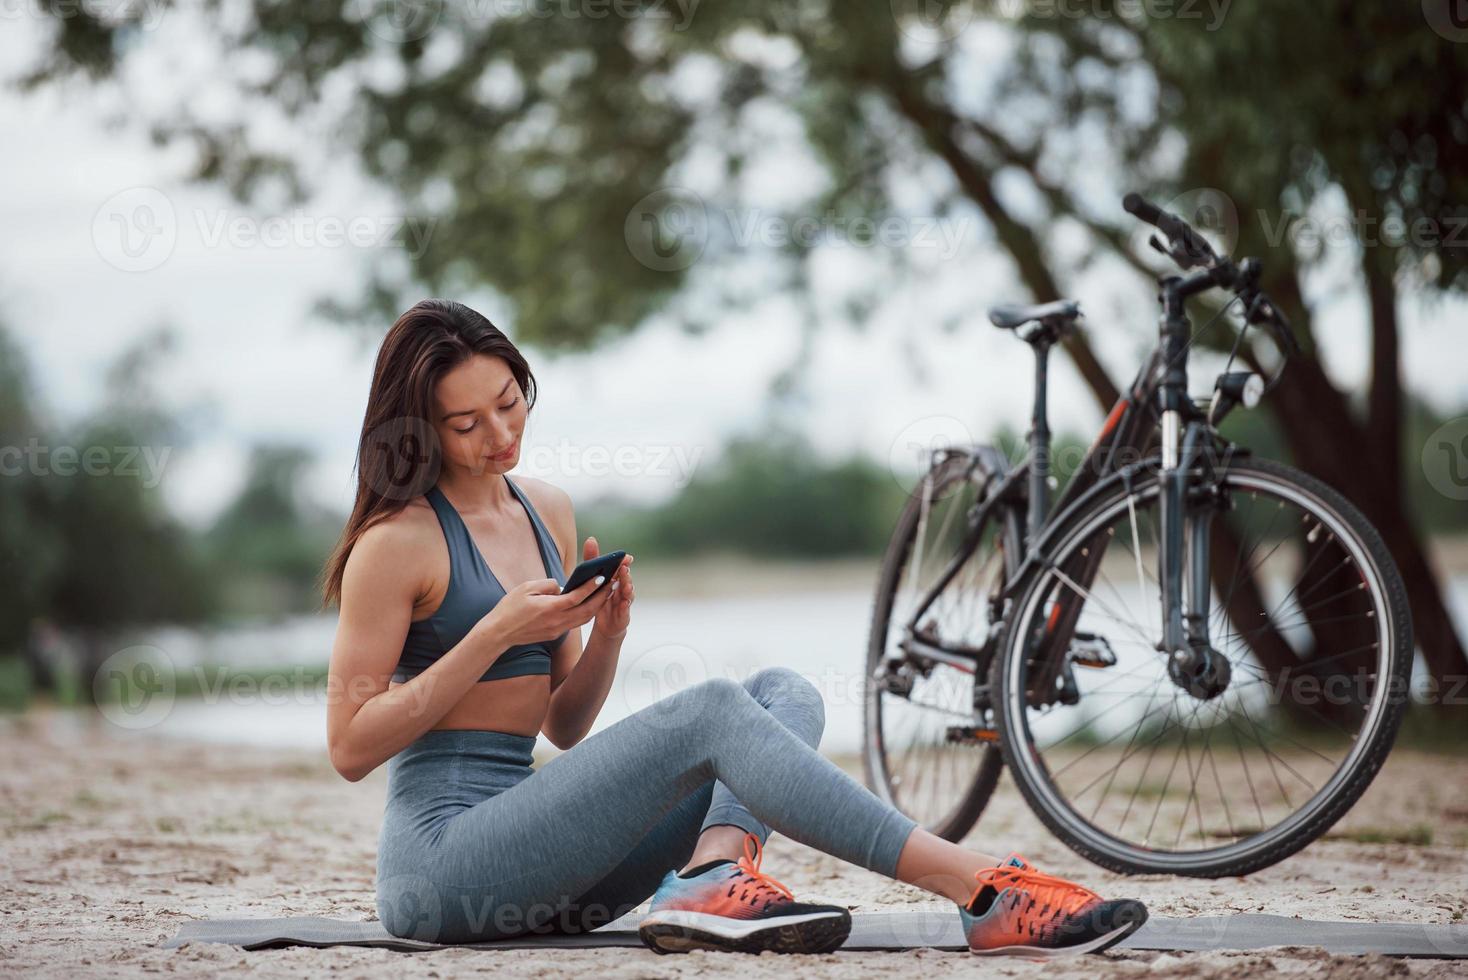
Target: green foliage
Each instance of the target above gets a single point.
(268, 546)
(86, 540)
(770, 497)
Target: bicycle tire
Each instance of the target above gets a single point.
(1231, 859)
(991, 763)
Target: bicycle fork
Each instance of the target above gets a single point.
(1183, 570)
(1183, 556)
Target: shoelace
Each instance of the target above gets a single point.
(1046, 890)
(750, 863)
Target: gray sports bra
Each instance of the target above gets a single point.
(473, 590)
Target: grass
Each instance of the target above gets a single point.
(1417, 835)
(17, 689)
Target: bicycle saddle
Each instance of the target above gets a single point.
(1013, 316)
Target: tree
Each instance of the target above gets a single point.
(269, 543)
(547, 151)
(88, 544)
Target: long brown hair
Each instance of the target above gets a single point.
(398, 456)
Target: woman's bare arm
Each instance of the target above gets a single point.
(366, 722)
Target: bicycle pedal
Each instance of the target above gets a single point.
(1090, 650)
(970, 733)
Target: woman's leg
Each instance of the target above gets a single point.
(684, 836)
(516, 861)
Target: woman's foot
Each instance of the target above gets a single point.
(1016, 910)
(729, 905)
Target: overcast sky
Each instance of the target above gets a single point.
(253, 365)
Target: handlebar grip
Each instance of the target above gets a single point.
(1190, 249)
(1139, 206)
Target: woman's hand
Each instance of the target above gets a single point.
(536, 612)
(616, 614)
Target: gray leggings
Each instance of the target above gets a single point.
(476, 845)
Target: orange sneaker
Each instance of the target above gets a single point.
(1018, 911)
(734, 906)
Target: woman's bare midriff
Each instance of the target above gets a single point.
(506, 704)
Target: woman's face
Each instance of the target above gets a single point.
(479, 414)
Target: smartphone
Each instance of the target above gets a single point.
(591, 568)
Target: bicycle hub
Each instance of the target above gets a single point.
(1202, 671)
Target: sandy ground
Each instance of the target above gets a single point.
(111, 841)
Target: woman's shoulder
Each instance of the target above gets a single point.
(402, 534)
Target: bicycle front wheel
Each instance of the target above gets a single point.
(1141, 768)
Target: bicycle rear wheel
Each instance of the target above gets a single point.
(925, 748)
(1140, 769)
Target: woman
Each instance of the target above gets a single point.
(455, 648)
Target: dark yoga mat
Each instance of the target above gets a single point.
(889, 931)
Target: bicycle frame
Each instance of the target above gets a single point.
(1157, 401)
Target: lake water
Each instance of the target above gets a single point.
(674, 642)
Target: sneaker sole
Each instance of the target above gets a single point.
(1097, 945)
(682, 931)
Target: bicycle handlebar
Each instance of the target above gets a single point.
(1191, 250)
(1187, 248)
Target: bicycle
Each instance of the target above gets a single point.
(1265, 613)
